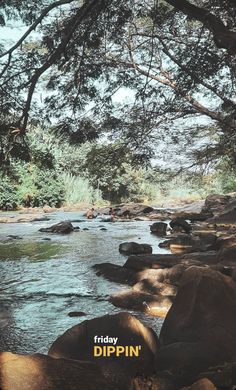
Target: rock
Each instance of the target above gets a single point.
(203, 384)
(114, 272)
(13, 237)
(85, 229)
(40, 372)
(154, 305)
(153, 383)
(103, 229)
(180, 225)
(64, 227)
(194, 243)
(159, 228)
(227, 256)
(77, 314)
(216, 203)
(130, 210)
(134, 248)
(76, 229)
(225, 242)
(78, 343)
(200, 328)
(155, 287)
(208, 258)
(139, 262)
(222, 376)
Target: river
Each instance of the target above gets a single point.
(43, 280)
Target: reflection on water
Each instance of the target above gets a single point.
(42, 281)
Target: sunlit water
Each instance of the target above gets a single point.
(43, 280)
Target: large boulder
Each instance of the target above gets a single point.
(79, 342)
(200, 328)
(134, 248)
(159, 228)
(40, 372)
(216, 203)
(64, 227)
(151, 286)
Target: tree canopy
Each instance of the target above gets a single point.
(176, 57)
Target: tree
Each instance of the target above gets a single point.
(178, 57)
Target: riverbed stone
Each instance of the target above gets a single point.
(78, 343)
(64, 227)
(40, 372)
(134, 248)
(216, 203)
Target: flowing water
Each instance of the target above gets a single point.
(46, 276)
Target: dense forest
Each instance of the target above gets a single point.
(67, 135)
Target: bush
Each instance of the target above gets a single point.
(8, 195)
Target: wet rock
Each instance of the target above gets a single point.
(76, 229)
(13, 237)
(139, 262)
(159, 228)
(180, 225)
(77, 314)
(103, 229)
(40, 372)
(64, 227)
(114, 272)
(194, 243)
(46, 239)
(78, 343)
(200, 328)
(134, 248)
(154, 305)
(85, 229)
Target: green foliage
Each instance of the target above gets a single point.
(8, 194)
(78, 190)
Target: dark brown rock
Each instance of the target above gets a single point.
(140, 262)
(114, 272)
(134, 248)
(222, 376)
(227, 256)
(40, 372)
(78, 343)
(216, 203)
(159, 228)
(200, 327)
(179, 224)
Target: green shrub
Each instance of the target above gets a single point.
(8, 194)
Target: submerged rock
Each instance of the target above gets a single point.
(159, 228)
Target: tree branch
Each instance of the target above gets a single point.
(224, 38)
